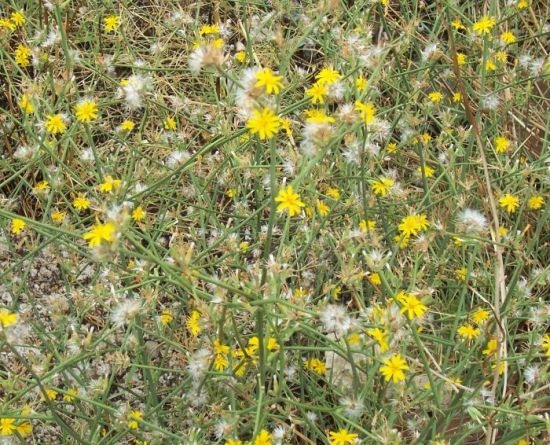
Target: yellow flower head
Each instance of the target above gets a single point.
(366, 111)
(22, 55)
(484, 25)
(18, 18)
(394, 368)
(317, 92)
(265, 123)
(267, 80)
(509, 202)
(17, 225)
(81, 202)
(468, 332)
(99, 233)
(341, 437)
(109, 184)
(327, 76)
(535, 202)
(289, 200)
(7, 318)
(382, 186)
(501, 144)
(55, 123)
(111, 23)
(413, 224)
(86, 111)
(410, 305)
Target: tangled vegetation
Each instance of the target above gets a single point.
(284, 222)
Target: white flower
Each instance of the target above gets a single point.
(531, 374)
(124, 312)
(134, 89)
(198, 364)
(471, 220)
(336, 319)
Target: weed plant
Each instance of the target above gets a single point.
(285, 222)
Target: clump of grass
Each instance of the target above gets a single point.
(247, 223)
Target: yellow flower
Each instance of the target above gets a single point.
(220, 362)
(22, 55)
(316, 365)
(484, 25)
(428, 171)
(522, 4)
(240, 56)
(333, 192)
(81, 202)
(468, 332)
(109, 184)
(263, 438)
(480, 315)
(170, 124)
(509, 202)
(327, 76)
(50, 394)
(55, 123)
(413, 224)
(318, 116)
(411, 305)
(166, 317)
(138, 213)
(99, 233)
(41, 187)
(26, 104)
(457, 24)
(289, 200)
(374, 279)
(381, 338)
(209, 29)
(134, 418)
(361, 83)
(491, 348)
(457, 97)
(435, 96)
(233, 442)
(393, 368)
(7, 318)
(508, 38)
(461, 59)
(58, 217)
(382, 186)
(192, 323)
(70, 395)
(341, 437)
(501, 144)
(322, 208)
(317, 92)
(546, 344)
(535, 202)
(367, 225)
(127, 126)
(267, 80)
(461, 273)
(24, 429)
(111, 23)
(7, 426)
(265, 123)
(366, 111)
(86, 111)
(7, 24)
(17, 225)
(18, 18)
